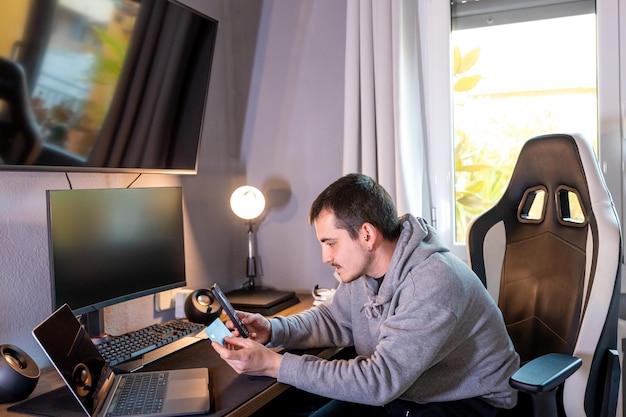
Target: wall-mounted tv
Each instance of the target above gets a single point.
(111, 85)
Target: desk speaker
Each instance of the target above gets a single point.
(18, 374)
(201, 307)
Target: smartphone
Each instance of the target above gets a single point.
(229, 310)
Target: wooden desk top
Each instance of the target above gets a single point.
(269, 389)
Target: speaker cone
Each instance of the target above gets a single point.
(14, 359)
(200, 307)
(19, 374)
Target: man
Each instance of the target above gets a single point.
(429, 339)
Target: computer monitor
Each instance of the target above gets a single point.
(111, 245)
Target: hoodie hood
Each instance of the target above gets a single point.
(415, 244)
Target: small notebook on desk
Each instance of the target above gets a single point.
(261, 300)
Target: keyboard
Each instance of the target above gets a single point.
(140, 394)
(134, 349)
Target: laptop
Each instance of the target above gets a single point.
(99, 390)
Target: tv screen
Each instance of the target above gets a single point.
(111, 245)
(110, 85)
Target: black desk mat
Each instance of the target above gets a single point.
(56, 403)
(228, 389)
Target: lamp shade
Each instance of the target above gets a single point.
(247, 202)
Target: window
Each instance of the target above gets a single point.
(610, 62)
(515, 76)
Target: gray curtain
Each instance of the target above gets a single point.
(148, 123)
(384, 134)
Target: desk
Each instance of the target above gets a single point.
(233, 395)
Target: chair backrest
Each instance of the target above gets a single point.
(20, 139)
(556, 240)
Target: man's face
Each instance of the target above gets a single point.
(350, 258)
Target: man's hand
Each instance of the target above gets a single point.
(247, 356)
(258, 326)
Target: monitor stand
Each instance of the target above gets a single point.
(93, 323)
(263, 300)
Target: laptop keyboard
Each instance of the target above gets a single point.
(120, 349)
(139, 394)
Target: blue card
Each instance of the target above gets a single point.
(217, 331)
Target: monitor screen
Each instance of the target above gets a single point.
(113, 245)
(103, 85)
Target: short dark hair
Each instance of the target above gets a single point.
(356, 199)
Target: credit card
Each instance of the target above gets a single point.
(217, 330)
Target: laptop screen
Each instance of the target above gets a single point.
(73, 354)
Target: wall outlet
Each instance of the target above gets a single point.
(164, 300)
(179, 300)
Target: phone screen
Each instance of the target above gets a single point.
(228, 308)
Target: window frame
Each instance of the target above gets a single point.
(611, 101)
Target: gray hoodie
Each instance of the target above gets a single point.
(432, 333)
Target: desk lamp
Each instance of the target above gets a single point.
(248, 203)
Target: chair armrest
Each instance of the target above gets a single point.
(545, 373)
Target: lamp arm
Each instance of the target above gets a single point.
(250, 240)
(251, 270)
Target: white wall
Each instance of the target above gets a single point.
(294, 132)
(275, 120)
